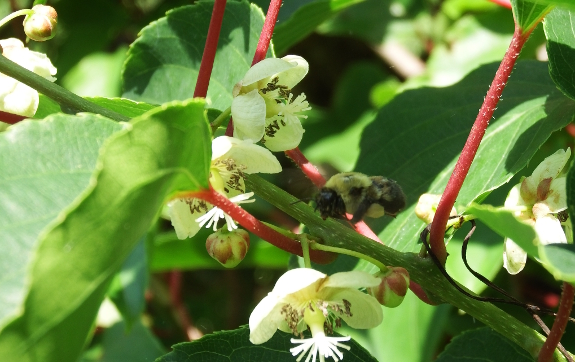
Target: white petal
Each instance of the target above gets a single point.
(286, 137)
(36, 62)
(365, 309)
(557, 197)
(351, 279)
(514, 258)
(182, 219)
(549, 230)
(549, 168)
(514, 197)
(22, 100)
(254, 158)
(266, 69)
(265, 319)
(249, 116)
(296, 279)
(294, 75)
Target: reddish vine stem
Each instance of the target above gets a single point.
(207, 63)
(472, 144)
(263, 44)
(256, 227)
(10, 118)
(504, 3)
(558, 328)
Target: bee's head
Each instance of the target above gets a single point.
(329, 203)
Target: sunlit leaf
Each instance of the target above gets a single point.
(561, 49)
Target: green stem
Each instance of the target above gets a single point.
(305, 249)
(63, 96)
(220, 119)
(15, 15)
(333, 249)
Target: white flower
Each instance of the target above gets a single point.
(538, 200)
(231, 158)
(264, 107)
(305, 298)
(16, 97)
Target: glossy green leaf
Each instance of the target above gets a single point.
(46, 107)
(305, 20)
(163, 63)
(569, 4)
(506, 224)
(483, 344)
(528, 13)
(235, 346)
(130, 283)
(164, 150)
(417, 137)
(561, 49)
(44, 166)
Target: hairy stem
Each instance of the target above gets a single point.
(210, 48)
(472, 144)
(558, 328)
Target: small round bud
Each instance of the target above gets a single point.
(41, 25)
(427, 205)
(393, 287)
(228, 247)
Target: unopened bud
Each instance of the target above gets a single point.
(41, 25)
(427, 205)
(228, 247)
(393, 287)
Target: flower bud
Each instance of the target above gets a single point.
(228, 247)
(41, 25)
(427, 205)
(393, 287)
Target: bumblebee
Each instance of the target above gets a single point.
(359, 195)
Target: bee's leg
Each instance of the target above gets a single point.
(361, 210)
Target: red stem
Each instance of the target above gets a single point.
(470, 149)
(11, 118)
(175, 285)
(210, 48)
(267, 31)
(263, 44)
(504, 3)
(253, 225)
(548, 348)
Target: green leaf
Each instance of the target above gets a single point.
(235, 346)
(485, 244)
(561, 49)
(46, 107)
(137, 345)
(305, 20)
(97, 74)
(44, 166)
(124, 106)
(506, 224)
(130, 283)
(528, 13)
(412, 318)
(164, 150)
(417, 137)
(559, 259)
(163, 63)
(483, 344)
